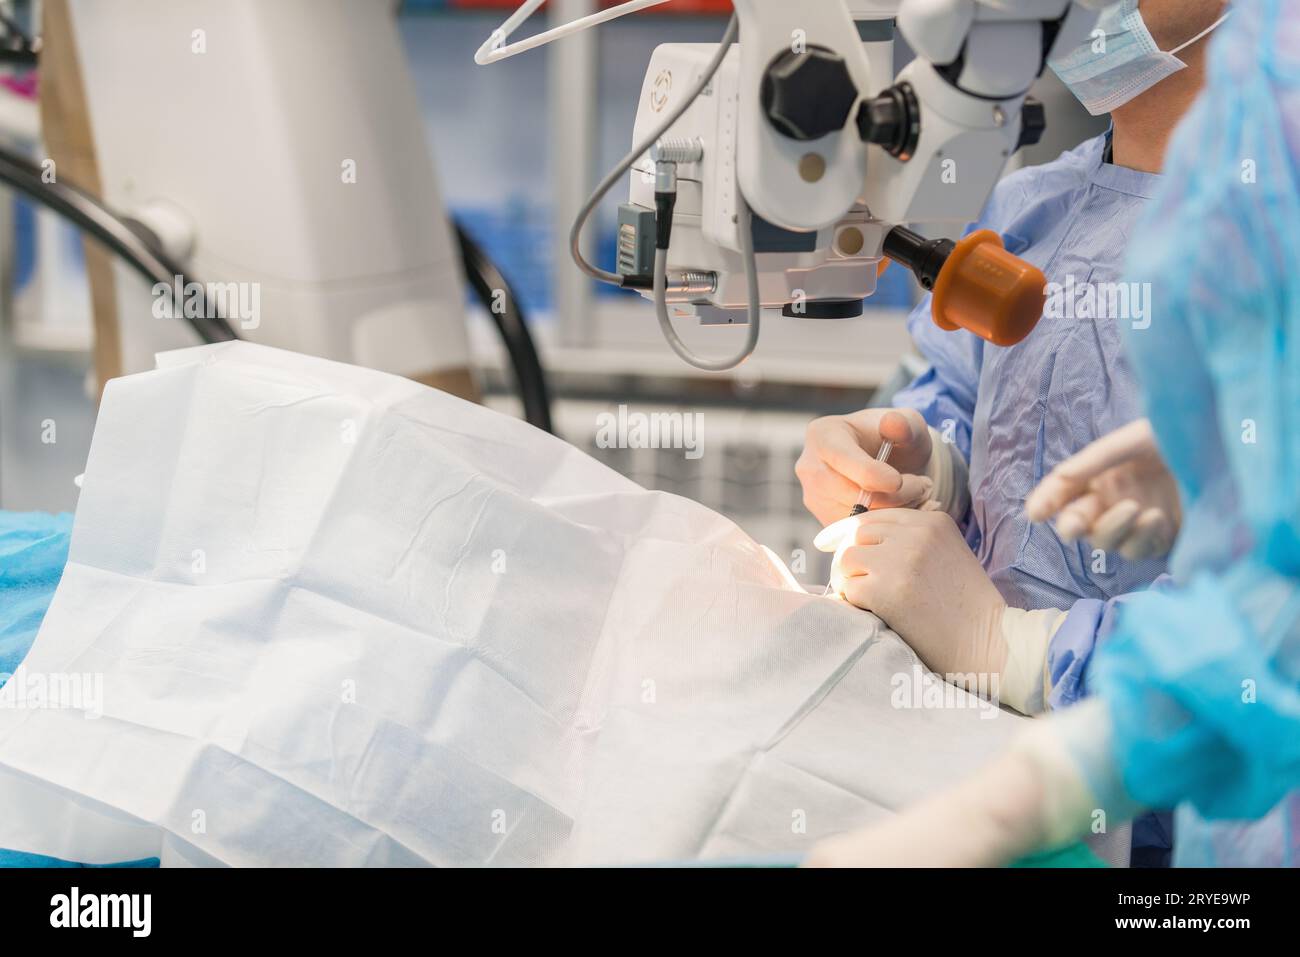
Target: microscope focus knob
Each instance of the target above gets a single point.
(892, 120)
(808, 95)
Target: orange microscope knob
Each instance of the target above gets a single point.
(984, 288)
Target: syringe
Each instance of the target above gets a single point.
(864, 498)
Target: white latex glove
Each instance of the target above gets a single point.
(986, 821)
(914, 569)
(1033, 797)
(1117, 492)
(839, 462)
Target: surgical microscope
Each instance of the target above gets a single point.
(784, 167)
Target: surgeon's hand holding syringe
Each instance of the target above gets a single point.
(882, 458)
(840, 466)
(841, 532)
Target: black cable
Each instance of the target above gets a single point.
(103, 225)
(11, 56)
(503, 306)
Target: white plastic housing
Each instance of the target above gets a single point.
(246, 116)
(705, 236)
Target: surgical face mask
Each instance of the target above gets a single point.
(1105, 73)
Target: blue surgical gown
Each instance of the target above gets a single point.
(1016, 412)
(33, 551)
(1202, 681)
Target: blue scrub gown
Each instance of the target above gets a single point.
(1016, 412)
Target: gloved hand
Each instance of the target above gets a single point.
(1044, 792)
(1117, 492)
(914, 569)
(839, 462)
(988, 820)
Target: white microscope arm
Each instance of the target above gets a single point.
(945, 127)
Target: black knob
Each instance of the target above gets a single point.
(808, 95)
(892, 121)
(1033, 120)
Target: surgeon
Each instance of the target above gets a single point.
(967, 581)
(1197, 691)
